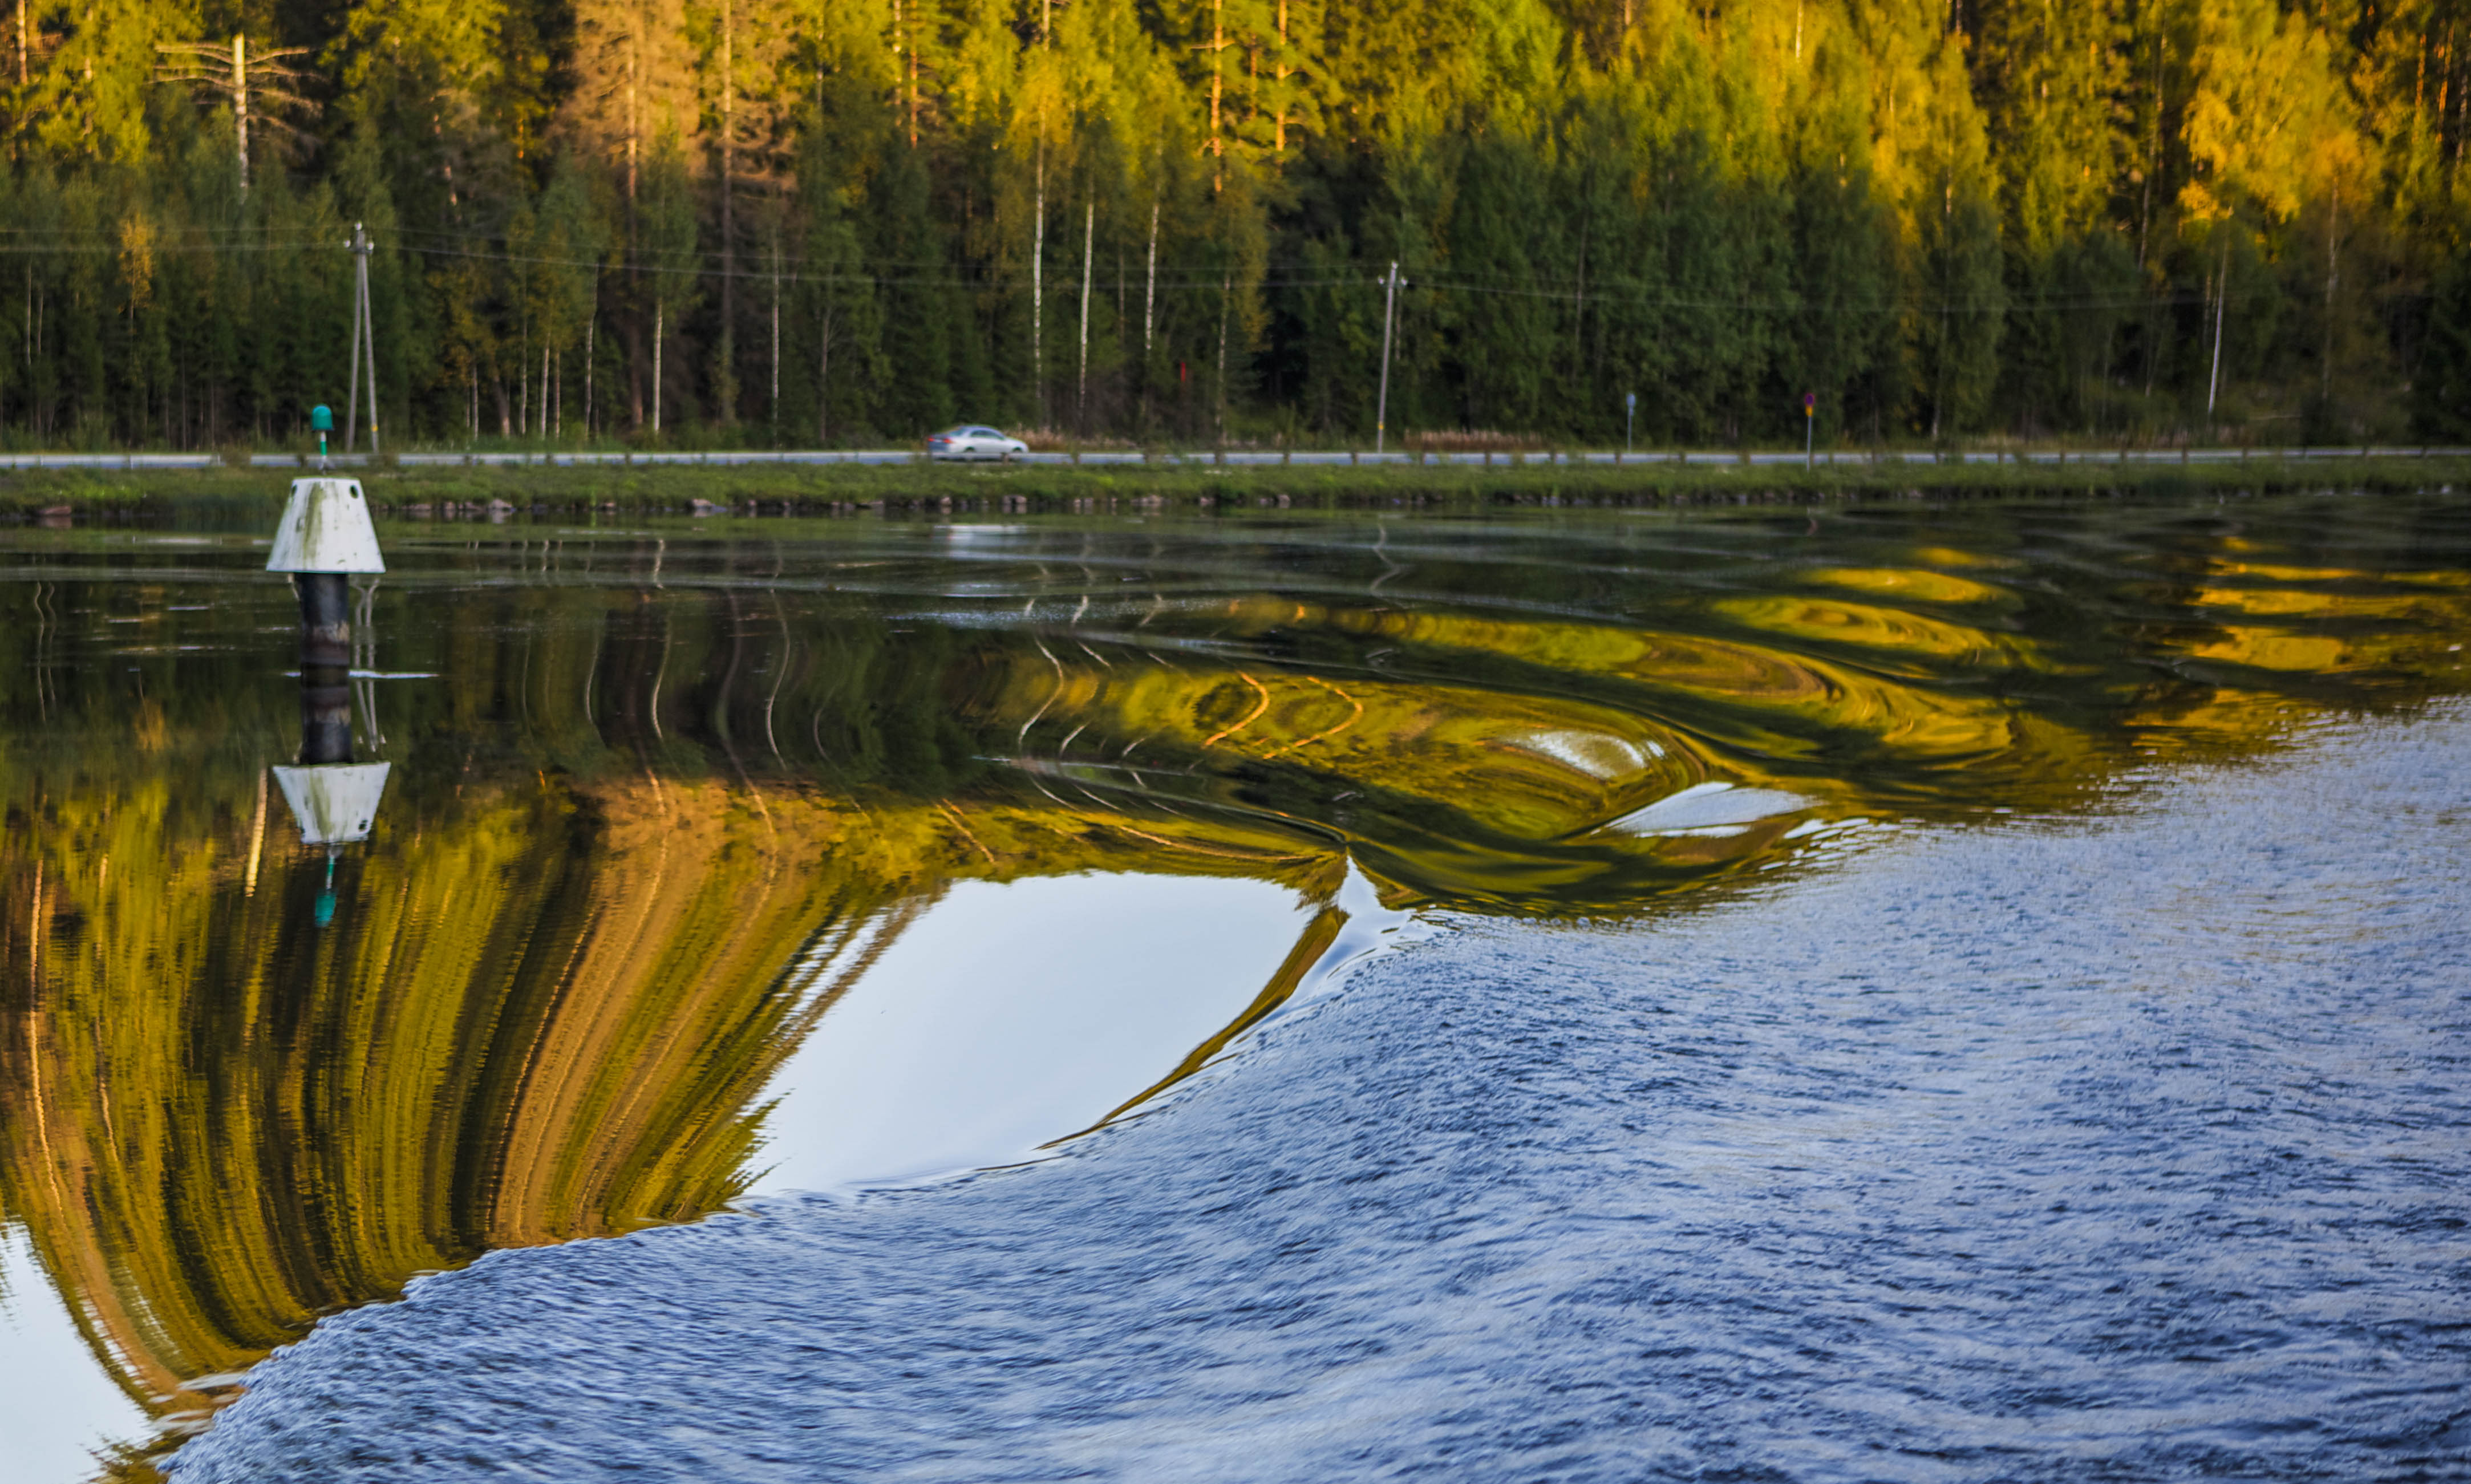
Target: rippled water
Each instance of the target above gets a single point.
(1851, 1026)
(1987, 1157)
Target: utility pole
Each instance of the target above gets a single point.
(361, 336)
(368, 335)
(1389, 307)
(351, 383)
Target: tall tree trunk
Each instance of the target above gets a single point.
(1149, 306)
(1946, 286)
(1578, 306)
(1217, 70)
(634, 317)
(1282, 73)
(2222, 300)
(1149, 289)
(905, 69)
(2333, 260)
(591, 329)
(1038, 289)
(824, 376)
(728, 387)
(240, 94)
(1088, 258)
(772, 403)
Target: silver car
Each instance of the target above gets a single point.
(972, 442)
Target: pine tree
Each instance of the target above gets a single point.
(2441, 384)
(836, 313)
(1505, 339)
(915, 294)
(1846, 326)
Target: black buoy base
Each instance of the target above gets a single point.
(325, 715)
(325, 618)
(325, 666)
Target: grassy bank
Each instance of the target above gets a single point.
(457, 492)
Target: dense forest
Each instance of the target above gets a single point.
(789, 221)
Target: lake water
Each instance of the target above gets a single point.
(1933, 991)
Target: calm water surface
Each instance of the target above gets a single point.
(2000, 905)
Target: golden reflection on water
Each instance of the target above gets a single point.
(642, 839)
(2388, 629)
(1919, 585)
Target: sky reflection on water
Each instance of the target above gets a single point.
(877, 818)
(1006, 1016)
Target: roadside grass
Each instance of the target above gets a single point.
(566, 492)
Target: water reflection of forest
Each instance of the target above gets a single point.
(638, 840)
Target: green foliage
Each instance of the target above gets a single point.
(779, 222)
(917, 301)
(2441, 383)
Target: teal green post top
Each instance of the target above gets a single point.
(322, 417)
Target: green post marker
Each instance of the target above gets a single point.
(322, 417)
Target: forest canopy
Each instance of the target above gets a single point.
(792, 223)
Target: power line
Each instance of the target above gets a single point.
(30, 243)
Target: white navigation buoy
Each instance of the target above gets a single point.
(326, 528)
(324, 536)
(334, 803)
